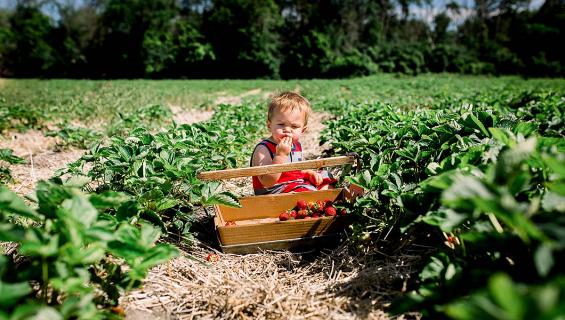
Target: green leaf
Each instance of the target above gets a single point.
(556, 165)
(506, 295)
(81, 210)
(152, 217)
(543, 259)
(224, 198)
(34, 246)
(553, 202)
(525, 128)
(165, 204)
(11, 293)
(11, 203)
(77, 181)
(8, 156)
(446, 219)
(501, 135)
(557, 187)
(108, 199)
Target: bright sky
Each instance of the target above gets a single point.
(424, 12)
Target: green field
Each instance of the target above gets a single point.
(35, 102)
(471, 168)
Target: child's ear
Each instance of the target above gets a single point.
(304, 129)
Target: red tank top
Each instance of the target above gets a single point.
(287, 179)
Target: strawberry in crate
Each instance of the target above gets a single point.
(313, 209)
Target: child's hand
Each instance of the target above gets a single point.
(284, 147)
(314, 177)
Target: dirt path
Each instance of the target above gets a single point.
(41, 155)
(235, 100)
(188, 116)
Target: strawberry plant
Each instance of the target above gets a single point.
(159, 169)
(508, 222)
(72, 252)
(7, 156)
(82, 138)
(469, 178)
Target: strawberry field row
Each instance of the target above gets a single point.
(482, 182)
(139, 179)
(481, 173)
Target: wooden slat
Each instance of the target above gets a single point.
(282, 230)
(307, 243)
(275, 168)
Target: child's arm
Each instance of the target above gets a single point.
(262, 157)
(314, 177)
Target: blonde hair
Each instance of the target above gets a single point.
(289, 100)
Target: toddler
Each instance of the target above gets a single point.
(287, 120)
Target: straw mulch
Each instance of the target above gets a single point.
(338, 283)
(41, 155)
(330, 284)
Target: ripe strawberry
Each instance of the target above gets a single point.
(119, 310)
(292, 214)
(212, 257)
(330, 211)
(321, 203)
(313, 206)
(301, 214)
(284, 216)
(315, 215)
(329, 203)
(230, 223)
(343, 212)
(301, 204)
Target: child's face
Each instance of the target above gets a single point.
(288, 123)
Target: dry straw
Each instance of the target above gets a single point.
(329, 284)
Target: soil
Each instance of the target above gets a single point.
(189, 116)
(236, 100)
(42, 156)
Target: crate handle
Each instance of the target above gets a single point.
(276, 168)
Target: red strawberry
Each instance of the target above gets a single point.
(330, 211)
(230, 223)
(315, 215)
(301, 204)
(301, 214)
(329, 203)
(284, 216)
(292, 214)
(312, 205)
(212, 257)
(321, 203)
(343, 212)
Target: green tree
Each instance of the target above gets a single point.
(124, 24)
(244, 37)
(74, 37)
(31, 54)
(6, 41)
(176, 51)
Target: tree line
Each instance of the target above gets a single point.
(277, 38)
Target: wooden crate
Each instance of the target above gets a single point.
(257, 223)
